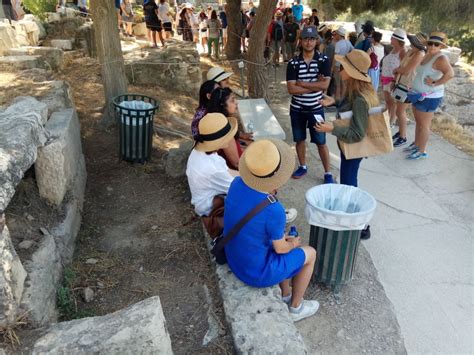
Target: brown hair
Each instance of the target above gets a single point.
(362, 88)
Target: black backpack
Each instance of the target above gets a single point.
(277, 32)
(290, 32)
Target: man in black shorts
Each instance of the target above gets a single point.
(153, 24)
(307, 76)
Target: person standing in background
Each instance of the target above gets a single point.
(223, 18)
(298, 11)
(165, 17)
(342, 46)
(379, 51)
(214, 30)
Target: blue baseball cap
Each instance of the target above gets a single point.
(309, 32)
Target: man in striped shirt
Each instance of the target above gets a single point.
(307, 76)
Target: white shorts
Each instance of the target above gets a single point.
(224, 32)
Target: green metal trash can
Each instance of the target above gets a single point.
(135, 116)
(337, 214)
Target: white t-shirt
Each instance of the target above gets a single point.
(342, 47)
(208, 176)
(379, 51)
(163, 10)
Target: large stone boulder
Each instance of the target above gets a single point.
(28, 29)
(12, 277)
(138, 329)
(65, 27)
(177, 158)
(39, 24)
(7, 38)
(175, 67)
(60, 162)
(453, 54)
(21, 133)
(50, 58)
(20, 62)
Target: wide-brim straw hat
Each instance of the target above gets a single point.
(217, 74)
(439, 37)
(418, 40)
(356, 63)
(215, 132)
(267, 164)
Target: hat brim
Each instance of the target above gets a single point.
(222, 76)
(212, 146)
(415, 42)
(351, 70)
(281, 176)
(443, 45)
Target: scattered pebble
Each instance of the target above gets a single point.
(109, 189)
(87, 294)
(29, 217)
(100, 284)
(26, 244)
(91, 261)
(141, 268)
(155, 227)
(44, 231)
(340, 333)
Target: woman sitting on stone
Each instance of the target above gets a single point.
(260, 254)
(204, 96)
(223, 101)
(209, 177)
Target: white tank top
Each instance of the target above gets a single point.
(422, 72)
(390, 63)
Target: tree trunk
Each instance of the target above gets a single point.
(256, 78)
(234, 29)
(109, 53)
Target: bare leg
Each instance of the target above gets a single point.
(324, 155)
(153, 34)
(301, 281)
(301, 152)
(402, 119)
(391, 106)
(417, 126)
(161, 38)
(424, 119)
(285, 288)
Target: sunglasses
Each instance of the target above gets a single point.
(436, 44)
(309, 39)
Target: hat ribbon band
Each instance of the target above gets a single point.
(214, 136)
(397, 37)
(274, 170)
(436, 38)
(349, 61)
(217, 76)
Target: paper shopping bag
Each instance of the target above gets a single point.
(377, 140)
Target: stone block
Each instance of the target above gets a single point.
(39, 24)
(53, 16)
(64, 44)
(51, 58)
(44, 275)
(12, 277)
(453, 54)
(21, 132)
(61, 159)
(138, 329)
(7, 38)
(259, 319)
(175, 67)
(177, 159)
(139, 29)
(20, 62)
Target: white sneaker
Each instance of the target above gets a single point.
(307, 309)
(291, 214)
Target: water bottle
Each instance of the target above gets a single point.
(250, 127)
(293, 232)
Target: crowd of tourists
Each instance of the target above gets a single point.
(234, 181)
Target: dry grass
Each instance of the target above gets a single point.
(8, 333)
(454, 133)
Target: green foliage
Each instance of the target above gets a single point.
(66, 300)
(463, 38)
(40, 7)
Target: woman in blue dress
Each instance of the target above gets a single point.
(261, 255)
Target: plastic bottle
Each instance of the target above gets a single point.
(293, 232)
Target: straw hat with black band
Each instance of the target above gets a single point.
(215, 131)
(267, 164)
(217, 74)
(356, 63)
(399, 34)
(418, 40)
(439, 37)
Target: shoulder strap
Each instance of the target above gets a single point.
(233, 232)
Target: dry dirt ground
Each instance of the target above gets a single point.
(139, 233)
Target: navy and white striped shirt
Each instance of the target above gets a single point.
(298, 70)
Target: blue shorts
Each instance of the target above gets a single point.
(300, 121)
(428, 105)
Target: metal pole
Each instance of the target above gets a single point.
(241, 66)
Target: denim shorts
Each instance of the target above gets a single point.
(428, 105)
(300, 121)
